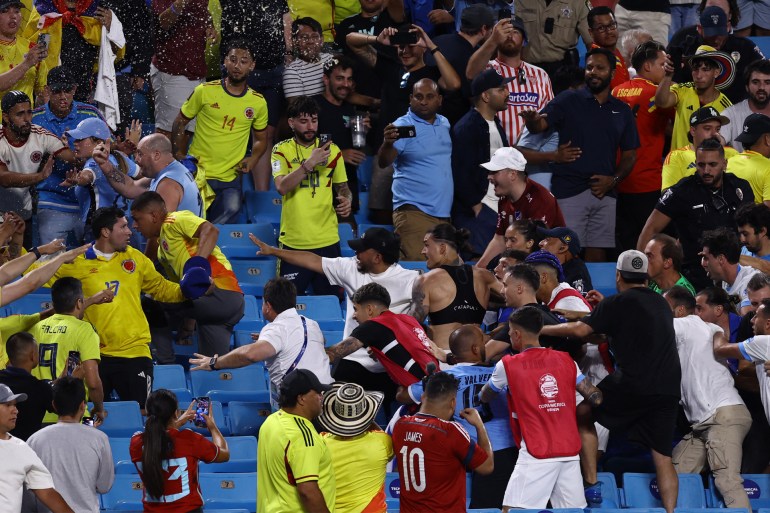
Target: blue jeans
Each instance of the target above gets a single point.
(227, 203)
(53, 224)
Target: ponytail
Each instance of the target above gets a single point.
(161, 406)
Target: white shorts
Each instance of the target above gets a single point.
(170, 91)
(533, 484)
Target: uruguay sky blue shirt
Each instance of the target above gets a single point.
(191, 198)
(422, 171)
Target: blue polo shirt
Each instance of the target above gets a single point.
(50, 194)
(422, 171)
(600, 130)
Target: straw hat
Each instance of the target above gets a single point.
(348, 409)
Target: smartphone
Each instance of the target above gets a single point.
(202, 406)
(73, 360)
(43, 40)
(88, 421)
(324, 138)
(404, 38)
(676, 53)
(504, 14)
(406, 132)
(548, 29)
(43, 160)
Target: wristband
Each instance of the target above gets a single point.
(213, 362)
(616, 180)
(36, 252)
(437, 49)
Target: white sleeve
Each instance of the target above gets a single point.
(273, 335)
(756, 349)
(37, 476)
(336, 269)
(571, 303)
(499, 379)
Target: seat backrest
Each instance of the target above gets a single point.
(238, 234)
(392, 485)
(603, 277)
(168, 376)
(121, 457)
(30, 304)
(264, 206)
(230, 489)
(641, 491)
(219, 419)
(244, 379)
(757, 488)
(125, 494)
(247, 417)
(243, 457)
(123, 419)
(319, 307)
(251, 311)
(332, 337)
(254, 271)
(610, 491)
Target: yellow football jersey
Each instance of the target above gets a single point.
(680, 163)
(14, 324)
(755, 169)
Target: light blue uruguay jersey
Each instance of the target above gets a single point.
(472, 379)
(191, 197)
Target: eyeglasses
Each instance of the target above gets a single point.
(309, 37)
(605, 28)
(404, 80)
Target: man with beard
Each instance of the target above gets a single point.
(752, 164)
(704, 201)
(303, 75)
(529, 87)
(335, 114)
(585, 187)
(376, 261)
(58, 212)
(711, 71)
(310, 176)
(227, 112)
(126, 363)
(754, 231)
(27, 152)
(757, 102)
(604, 30)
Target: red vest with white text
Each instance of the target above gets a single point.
(541, 397)
(411, 336)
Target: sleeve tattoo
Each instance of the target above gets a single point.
(344, 348)
(417, 309)
(592, 394)
(114, 175)
(342, 189)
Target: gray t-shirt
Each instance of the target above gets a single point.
(79, 459)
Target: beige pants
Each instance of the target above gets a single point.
(718, 441)
(411, 225)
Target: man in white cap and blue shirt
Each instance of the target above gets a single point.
(20, 465)
(520, 198)
(641, 397)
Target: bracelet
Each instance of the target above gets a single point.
(436, 49)
(213, 362)
(36, 252)
(616, 180)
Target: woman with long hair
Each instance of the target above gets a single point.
(167, 458)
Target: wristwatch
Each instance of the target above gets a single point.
(616, 180)
(213, 362)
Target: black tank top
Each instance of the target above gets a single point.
(464, 308)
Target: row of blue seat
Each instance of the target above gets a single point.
(265, 207)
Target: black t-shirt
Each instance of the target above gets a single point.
(742, 50)
(261, 26)
(640, 327)
(458, 51)
(577, 275)
(31, 411)
(572, 346)
(334, 120)
(374, 334)
(395, 98)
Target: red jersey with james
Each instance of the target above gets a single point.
(181, 475)
(536, 203)
(433, 456)
(651, 121)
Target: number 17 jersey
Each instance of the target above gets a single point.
(433, 456)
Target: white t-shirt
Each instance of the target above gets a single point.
(490, 199)
(706, 384)
(26, 160)
(20, 465)
(287, 335)
(397, 281)
(757, 350)
(738, 288)
(569, 302)
(737, 114)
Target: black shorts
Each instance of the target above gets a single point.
(131, 378)
(647, 419)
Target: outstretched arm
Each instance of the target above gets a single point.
(344, 348)
(305, 259)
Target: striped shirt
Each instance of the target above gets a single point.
(304, 78)
(531, 90)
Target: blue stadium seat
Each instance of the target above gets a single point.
(641, 491)
(264, 206)
(247, 417)
(30, 304)
(417, 265)
(171, 377)
(325, 310)
(121, 458)
(219, 418)
(392, 486)
(243, 337)
(610, 491)
(125, 494)
(393, 504)
(603, 277)
(554, 510)
(763, 42)
(123, 419)
(253, 274)
(235, 243)
(252, 315)
(243, 456)
(332, 337)
(230, 490)
(245, 384)
(346, 233)
(757, 487)
(362, 216)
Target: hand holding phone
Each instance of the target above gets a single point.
(324, 138)
(202, 408)
(406, 132)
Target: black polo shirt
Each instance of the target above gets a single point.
(694, 208)
(39, 397)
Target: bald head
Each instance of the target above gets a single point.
(153, 154)
(425, 100)
(156, 142)
(467, 344)
(425, 84)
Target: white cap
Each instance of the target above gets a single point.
(632, 264)
(506, 158)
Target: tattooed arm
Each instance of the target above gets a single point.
(592, 394)
(344, 348)
(344, 199)
(420, 303)
(128, 188)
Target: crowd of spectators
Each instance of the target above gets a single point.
(477, 137)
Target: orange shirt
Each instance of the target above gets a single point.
(639, 94)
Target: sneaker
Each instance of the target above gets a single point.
(593, 494)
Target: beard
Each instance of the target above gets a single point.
(760, 102)
(595, 89)
(305, 137)
(509, 49)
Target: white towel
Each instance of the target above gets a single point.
(106, 93)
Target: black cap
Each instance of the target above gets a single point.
(488, 79)
(301, 381)
(754, 126)
(713, 21)
(567, 236)
(59, 78)
(379, 239)
(476, 16)
(9, 3)
(707, 114)
(518, 24)
(13, 98)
